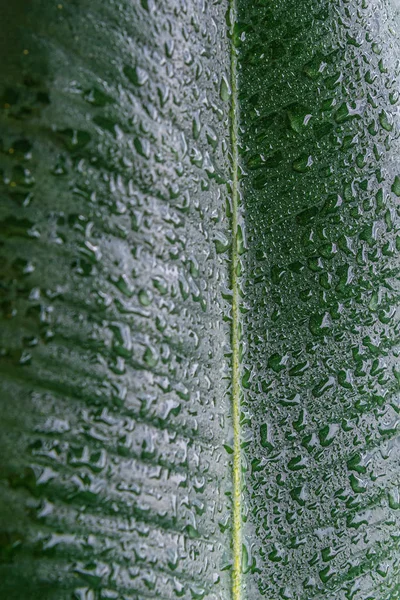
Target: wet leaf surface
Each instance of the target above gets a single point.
(118, 232)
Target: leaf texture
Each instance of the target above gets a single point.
(199, 300)
(115, 338)
(320, 144)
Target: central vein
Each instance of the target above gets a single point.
(237, 518)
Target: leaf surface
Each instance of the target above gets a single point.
(199, 300)
(320, 145)
(115, 351)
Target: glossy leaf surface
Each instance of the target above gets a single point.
(199, 209)
(113, 238)
(320, 137)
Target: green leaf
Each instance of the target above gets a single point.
(199, 300)
(115, 359)
(319, 509)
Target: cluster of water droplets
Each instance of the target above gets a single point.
(319, 151)
(115, 302)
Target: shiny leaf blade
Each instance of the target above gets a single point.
(199, 299)
(114, 240)
(318, 96)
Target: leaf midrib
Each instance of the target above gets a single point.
(236, 504)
